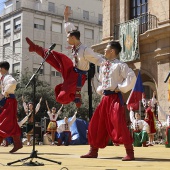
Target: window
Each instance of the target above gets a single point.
(51, 7)
(39, 24)
(89, 33)
(57, 27)
(58, 48)
(16, 68)
(55, 74)
(41, 71)
(7, 52)
(86, 15)
(40, 43)
(7, 29)
(100, 35)
(100, 17)
(17, 47)
(8, 3)
(138, 8)
(17, 24)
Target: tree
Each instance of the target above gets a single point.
(83, 111)
(43, 90)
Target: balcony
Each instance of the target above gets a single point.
(146, 22)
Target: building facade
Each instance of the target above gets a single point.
(154, 40)
(43, 22)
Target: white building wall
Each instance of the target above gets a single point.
(28, 14)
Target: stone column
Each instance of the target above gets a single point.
(109, 11)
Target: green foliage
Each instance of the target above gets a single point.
(83, 111)
(44, 90)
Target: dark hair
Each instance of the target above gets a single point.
(75, 33)
(5, 65)
(30, 103)
(116, 46)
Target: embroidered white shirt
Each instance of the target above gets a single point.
(84, 54)
(52, 116)
(119, 75)
(8, 84)
(140, 123)
(62, 127)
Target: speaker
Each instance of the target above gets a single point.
(38, 131)
(44, 123)
(47, 139)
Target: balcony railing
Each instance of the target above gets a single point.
(146, 22)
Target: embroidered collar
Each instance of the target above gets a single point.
(3, 76)
(111, 61)
(75, 49)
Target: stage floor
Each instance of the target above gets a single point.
(151, 158)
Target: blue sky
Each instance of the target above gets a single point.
(1, 4)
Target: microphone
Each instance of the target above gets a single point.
(51, 48)
(167, 78)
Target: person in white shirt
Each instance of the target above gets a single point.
(73, 71)
(28, 108)
(52, 126)
(108, 120)
(64, 133)
(166, 116)
(8, 108)
(140, 129)
(154, 103)
(144, 101)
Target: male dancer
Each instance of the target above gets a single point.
(108, 120)
(73, 72)
(8, 116)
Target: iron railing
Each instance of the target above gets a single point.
(146, 22)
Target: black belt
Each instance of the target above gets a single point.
(109, 92)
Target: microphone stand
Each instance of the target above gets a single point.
(90, 76)
(34, 152)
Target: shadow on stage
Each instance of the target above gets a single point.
(18, 153)
(143, 159)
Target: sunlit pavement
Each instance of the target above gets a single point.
(150, 158)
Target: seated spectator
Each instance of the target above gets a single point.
(140, 129)
(64, 133)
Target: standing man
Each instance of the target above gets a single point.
(108, 120)
(73, 72)
(8, 116)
